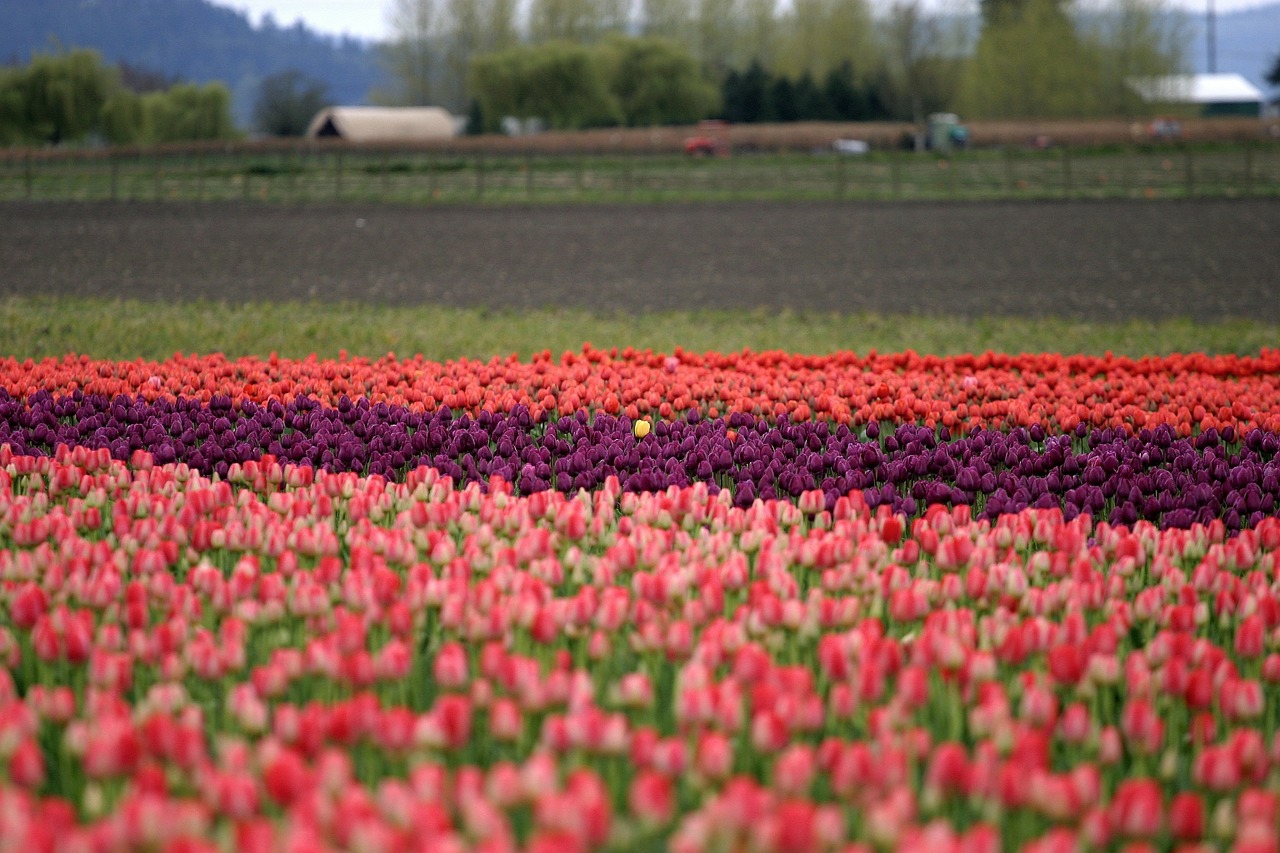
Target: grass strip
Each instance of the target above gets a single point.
(43, 327)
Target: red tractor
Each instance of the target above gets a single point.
(703, 146)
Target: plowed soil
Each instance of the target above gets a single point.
(1089, 260)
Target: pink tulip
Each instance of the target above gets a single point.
(450, 668)
(1137, 808)
(651, 798)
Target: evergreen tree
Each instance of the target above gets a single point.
(753, 95)
(844, 101)
(782, 100)
(811, 102)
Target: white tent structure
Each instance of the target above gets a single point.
(382, 124)
(1214, 94)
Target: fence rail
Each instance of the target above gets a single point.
(308, 173)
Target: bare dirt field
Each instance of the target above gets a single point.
(1115, 260)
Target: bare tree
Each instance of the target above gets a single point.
(413, 57)
(717, 26)
(921, 61)
(759, 37)
(576, 20)
(824, 34)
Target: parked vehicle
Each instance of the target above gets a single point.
(704, 146)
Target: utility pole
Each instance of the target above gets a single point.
(1212, 37)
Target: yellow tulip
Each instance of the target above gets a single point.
(641, 428)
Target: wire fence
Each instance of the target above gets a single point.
(308, 173)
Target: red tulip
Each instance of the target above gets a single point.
(1186, 817)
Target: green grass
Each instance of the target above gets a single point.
(124, 330)
(453, 177)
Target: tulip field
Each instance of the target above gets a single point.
(624, 600)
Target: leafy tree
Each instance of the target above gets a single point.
(1031, 63)
(287, 101)
(189, 112)
(656, 82)
(61, 96)
(564, 84)
(124, 118)
(12, 108)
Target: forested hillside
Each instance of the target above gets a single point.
(193, 40)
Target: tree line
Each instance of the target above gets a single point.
(73, 96)
(579, 63)
(587, 63)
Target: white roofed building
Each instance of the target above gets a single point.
(1211, 94)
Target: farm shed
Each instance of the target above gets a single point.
(382, 124)
(1210, 94)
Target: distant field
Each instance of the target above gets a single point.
(325, 174)
(41, 327)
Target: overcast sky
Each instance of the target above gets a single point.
(368, 18)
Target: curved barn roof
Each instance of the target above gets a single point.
(382, 124)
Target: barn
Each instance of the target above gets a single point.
(1208, 94)
(382, 124)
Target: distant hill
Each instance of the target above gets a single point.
(192, 39)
